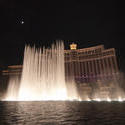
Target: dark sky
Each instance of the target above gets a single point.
(86, 22)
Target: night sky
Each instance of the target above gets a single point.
(86, 23)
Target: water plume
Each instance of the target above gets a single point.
(43, 76)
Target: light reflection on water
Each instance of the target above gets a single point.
(62, 113)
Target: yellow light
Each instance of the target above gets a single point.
(97, 99)
(120, 99)
(108, 99)
(73, 46)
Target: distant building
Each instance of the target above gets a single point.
(90, 64)
(13, 70)
(86, 65)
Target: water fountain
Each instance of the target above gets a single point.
(43, 76)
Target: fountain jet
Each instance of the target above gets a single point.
(43, 76)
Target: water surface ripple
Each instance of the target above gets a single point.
(62, 113)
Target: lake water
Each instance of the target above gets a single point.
(62, 113)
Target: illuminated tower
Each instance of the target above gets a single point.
(73, 46)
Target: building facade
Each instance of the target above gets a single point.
(91, 64)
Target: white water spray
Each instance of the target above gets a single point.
(43, 76)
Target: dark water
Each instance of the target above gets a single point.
(62, 113)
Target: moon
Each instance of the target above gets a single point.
(22, 22)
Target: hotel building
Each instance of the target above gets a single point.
(91, 64)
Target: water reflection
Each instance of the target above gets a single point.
(61, 113)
